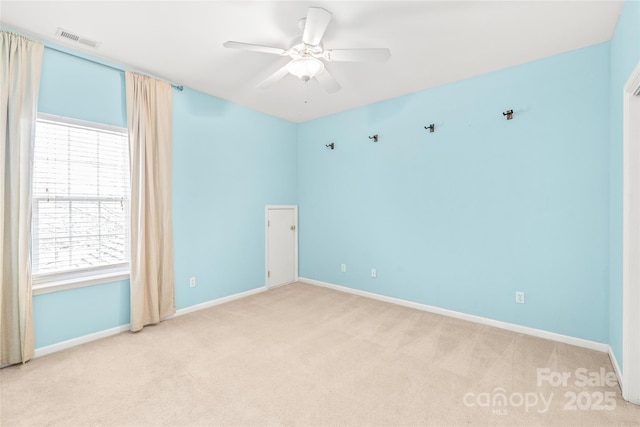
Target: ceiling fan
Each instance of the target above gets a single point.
(307, 55)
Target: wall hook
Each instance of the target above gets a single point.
(332, 145)
(509, 114)
(431, 127)
(374, 137)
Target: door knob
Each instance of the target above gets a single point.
(293, 227)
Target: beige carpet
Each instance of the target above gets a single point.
(303, 355)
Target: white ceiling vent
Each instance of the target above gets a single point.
(76, 38)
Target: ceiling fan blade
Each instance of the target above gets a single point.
(358, 55)
(327, 81)
(254, 47)
(316, 24)
(273, 78)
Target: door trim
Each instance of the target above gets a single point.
(267, 208)
(631, 241)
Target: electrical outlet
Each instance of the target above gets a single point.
(192, 282)
(343, 268)
(374, 273)
(520, 297)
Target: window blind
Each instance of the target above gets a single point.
(80, 196)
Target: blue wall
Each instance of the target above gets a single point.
(464, 217)
(228, 162)
(60, 316)
(625, 54)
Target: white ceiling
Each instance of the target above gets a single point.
(431, 42)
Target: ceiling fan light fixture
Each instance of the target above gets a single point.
(305, 68)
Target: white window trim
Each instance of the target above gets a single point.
(62, 281)
(83, 123)
(47, 283)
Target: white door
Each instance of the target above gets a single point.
(281, 245)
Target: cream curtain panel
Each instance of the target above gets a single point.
(20, 66)
(149, 122)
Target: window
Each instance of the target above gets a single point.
(80, 225)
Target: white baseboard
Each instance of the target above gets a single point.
(616, 368)
(592, 345)
(53, 348)
(218, 301)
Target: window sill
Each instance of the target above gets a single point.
(78, 282)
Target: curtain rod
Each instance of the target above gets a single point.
(179, 87)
